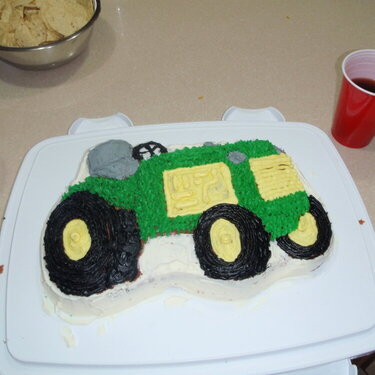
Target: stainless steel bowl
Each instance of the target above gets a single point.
(51, 55)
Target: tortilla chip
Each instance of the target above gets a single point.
(26, 23)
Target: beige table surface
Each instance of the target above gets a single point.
(188, 60)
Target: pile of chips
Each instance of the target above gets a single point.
(29, 23)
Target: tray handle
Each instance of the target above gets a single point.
(88, 125)
(246, 114)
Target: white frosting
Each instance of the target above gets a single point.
(175, 265)
(68, 336)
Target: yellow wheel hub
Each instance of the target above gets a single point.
(225, 240)
(307, 232)
(76, 239)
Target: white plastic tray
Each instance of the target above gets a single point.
(292, 325)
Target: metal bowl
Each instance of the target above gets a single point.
(54, 54)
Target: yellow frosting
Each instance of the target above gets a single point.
(195, 189)
(225, 240)
(275, 176)
(76, 239)
(307, 232)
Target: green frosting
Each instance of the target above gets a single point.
(144, 192)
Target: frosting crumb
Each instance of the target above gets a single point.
(68, 336)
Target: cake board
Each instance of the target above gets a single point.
(344, 341)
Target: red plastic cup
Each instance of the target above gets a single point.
(354, 121)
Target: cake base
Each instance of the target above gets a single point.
(175, 266)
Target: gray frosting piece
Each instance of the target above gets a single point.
(279, 150)
(236, 157)
(112, 159)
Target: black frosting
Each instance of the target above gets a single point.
(150, 148)
(115, 246)
(255, 241)
(323, 241)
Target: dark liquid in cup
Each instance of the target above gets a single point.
(365, 83)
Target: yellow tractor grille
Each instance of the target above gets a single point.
(275, 176)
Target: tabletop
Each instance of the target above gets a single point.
(180, 61)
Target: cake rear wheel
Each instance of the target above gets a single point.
(231, 243)
(89, 245)
(313, 235)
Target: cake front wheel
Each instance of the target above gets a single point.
(313, 235)
(89, 245)
(231, 243)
